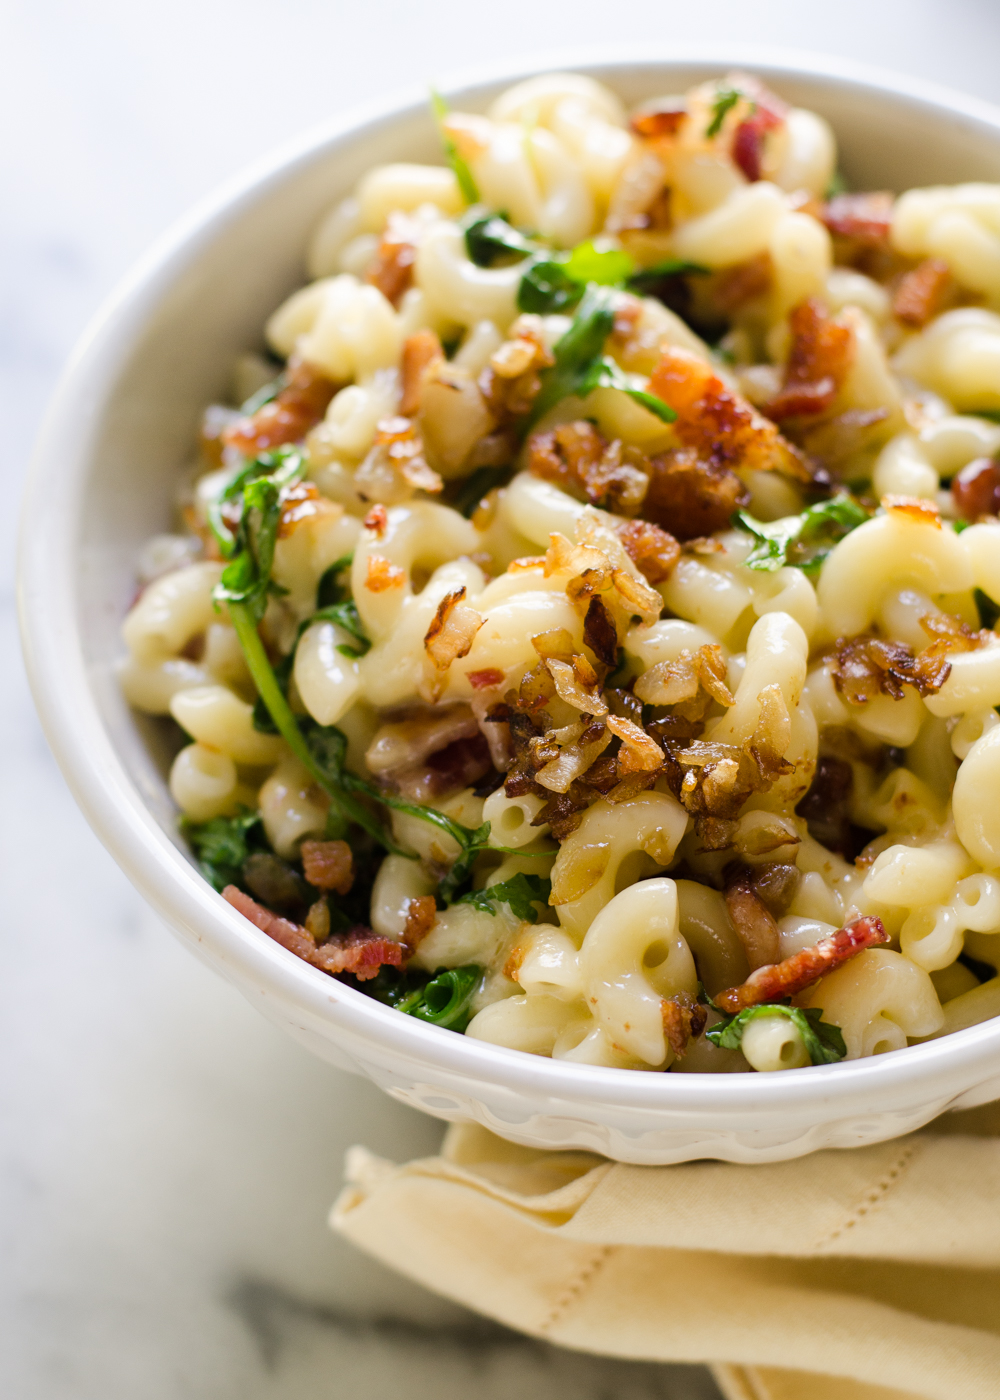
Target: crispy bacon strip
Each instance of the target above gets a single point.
(921, 293)
(329, 865)
(297, 407)
(792, 975)
(818, 362)
(359, 951)
(865, 217)
(684, 1020)
(768, 113)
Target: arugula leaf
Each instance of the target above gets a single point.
(221, 846)
(805, 540)
(345, 615)
(546, 288)
(466, 182)
(444, 1001)
(330, 590)
(490, 240)
(608, 267)
(987, 609)
(475, 486)
(726, 99)
(267, 393)
(649, 277)
(521, 892)
(824, 1041)
(581, 365)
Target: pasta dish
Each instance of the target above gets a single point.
(580, 634)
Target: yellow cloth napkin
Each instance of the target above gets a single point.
(872, 1274)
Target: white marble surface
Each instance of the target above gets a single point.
(166, 1157)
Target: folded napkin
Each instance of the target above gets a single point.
(871, 1274)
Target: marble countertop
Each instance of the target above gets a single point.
(167, 1158)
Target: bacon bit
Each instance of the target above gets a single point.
(914, 508)
(402, 743)
(422, 351)
(662, 119)
(600, 633)
(399, 443)
(421, 916)
(391, 269)
(652, 550)
(452, 630)
(921, 293)
(485, 679)
(754, 924)
(377, 520)
(511, 381)
(639, 752)
(459, 765)
(329, 865)
(866, 218)
(976, 489)
(299, 503)
(730, 289)
(768, 113)
(582, 461)
(818, 362)
(691, 497)
(792, 975)
(722, 427)
(359, 951)
(382, 575)
(298, 406)
(684, 1019)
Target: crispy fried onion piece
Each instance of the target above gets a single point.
(431, 754)
(300, 503)
(922, 292)
(422, 352)
(866, 217)
(866, 666)
(452, 630)
(560, 756)
(328, 865)
(787, 978)
(512, 379)
(754, 923)
(670, 682)
(915, 508)
(600, 633)
(359, 951)
(297, 407)
(639, 752)
(653, 551)
(391, 269)
(586, 465)
(818, 361)
(600, 565)
(721, 426)
(691, 497)
(421, 916)
(383, 575)
(578, 684)
(684, 1019)
(398, 451)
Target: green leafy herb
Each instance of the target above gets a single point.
(801, 540)
(726, 99)
(521, 892)
(993, 414)
(546, 288)
(466, 183)
(222, 845)
(267, 393)
(608, 267)
(490, 240)
(581, 365)
(649, 277)
(444, 1001)
(825, 1042)
(987, 609)
(475, 486)
(344, 615)
(281, 467)
(330, 590)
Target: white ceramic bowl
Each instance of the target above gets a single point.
(104, 478)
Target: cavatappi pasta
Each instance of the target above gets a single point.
(582, 635)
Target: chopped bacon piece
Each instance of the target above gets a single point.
(684, 1019)
(485, 679)
(787, 978)
(653, 550)
(391, 270)
(298, 406)
(421, 351)
(382, 574)
(754, 924)
(921, 293)
(461, 764)
(421, 916)
(359, 951)
(818, 362)
(769, 113)
(600, 633)
(329, 865)
(691, 497)
(722, 427)
(452, 630)
(300, 503)
(866, 217)
(976, 488)
(377, 520)
(580, 459)
(662, 119)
